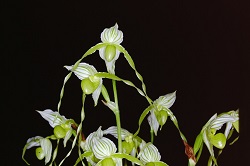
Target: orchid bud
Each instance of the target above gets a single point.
(110, 52)
(39, 153)
(218, 140)
(127, 146)
(59, 131)
(90, 84)
(161, 117)
(108, 162)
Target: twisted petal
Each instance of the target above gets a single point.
(112, 35)
(103, 147)
(54, 118)
(83, 70)
(149, 153)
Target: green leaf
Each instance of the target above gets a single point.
(142, 117)
(198, 143)
(128, 157)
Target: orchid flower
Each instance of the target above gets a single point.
(112, 36)
(90, 84)
(62, 126)
(160, 110)
(44, 149)
(211, 138)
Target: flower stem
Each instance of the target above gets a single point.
(117, 116)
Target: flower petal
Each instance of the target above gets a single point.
(112, 35)
(103, 147)
(113, 131)
(149, 153)
(47, 148)
(83, 70)
(153, 122)
(34, 141)
(165, 101)
(54, 118)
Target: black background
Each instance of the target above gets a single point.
(199, 48)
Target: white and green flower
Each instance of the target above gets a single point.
(43, 150)
(62, 126)
(160, 110)
(213, 138)
(112, 36)
(90, 84)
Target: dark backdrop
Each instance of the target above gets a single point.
(199, 48)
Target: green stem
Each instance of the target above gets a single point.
(152, 135)
(117, 116)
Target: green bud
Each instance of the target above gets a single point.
(108, 162)
(218, 140)
(161, 117)
(89, 85)
(127, 147)
(39, 153)
(59, 131)
(110, 52)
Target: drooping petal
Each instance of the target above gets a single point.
(47, 149)
(67, 137)
(112, 35)
(153, 122)
(97, 92)
(103, 147)
(54, 118)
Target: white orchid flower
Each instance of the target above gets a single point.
(209, 135)
(101, 147)
(44, 149)
(62, 126)
(112, 36)
(90, 83)
(160, 110)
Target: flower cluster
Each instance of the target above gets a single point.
(98, 149)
